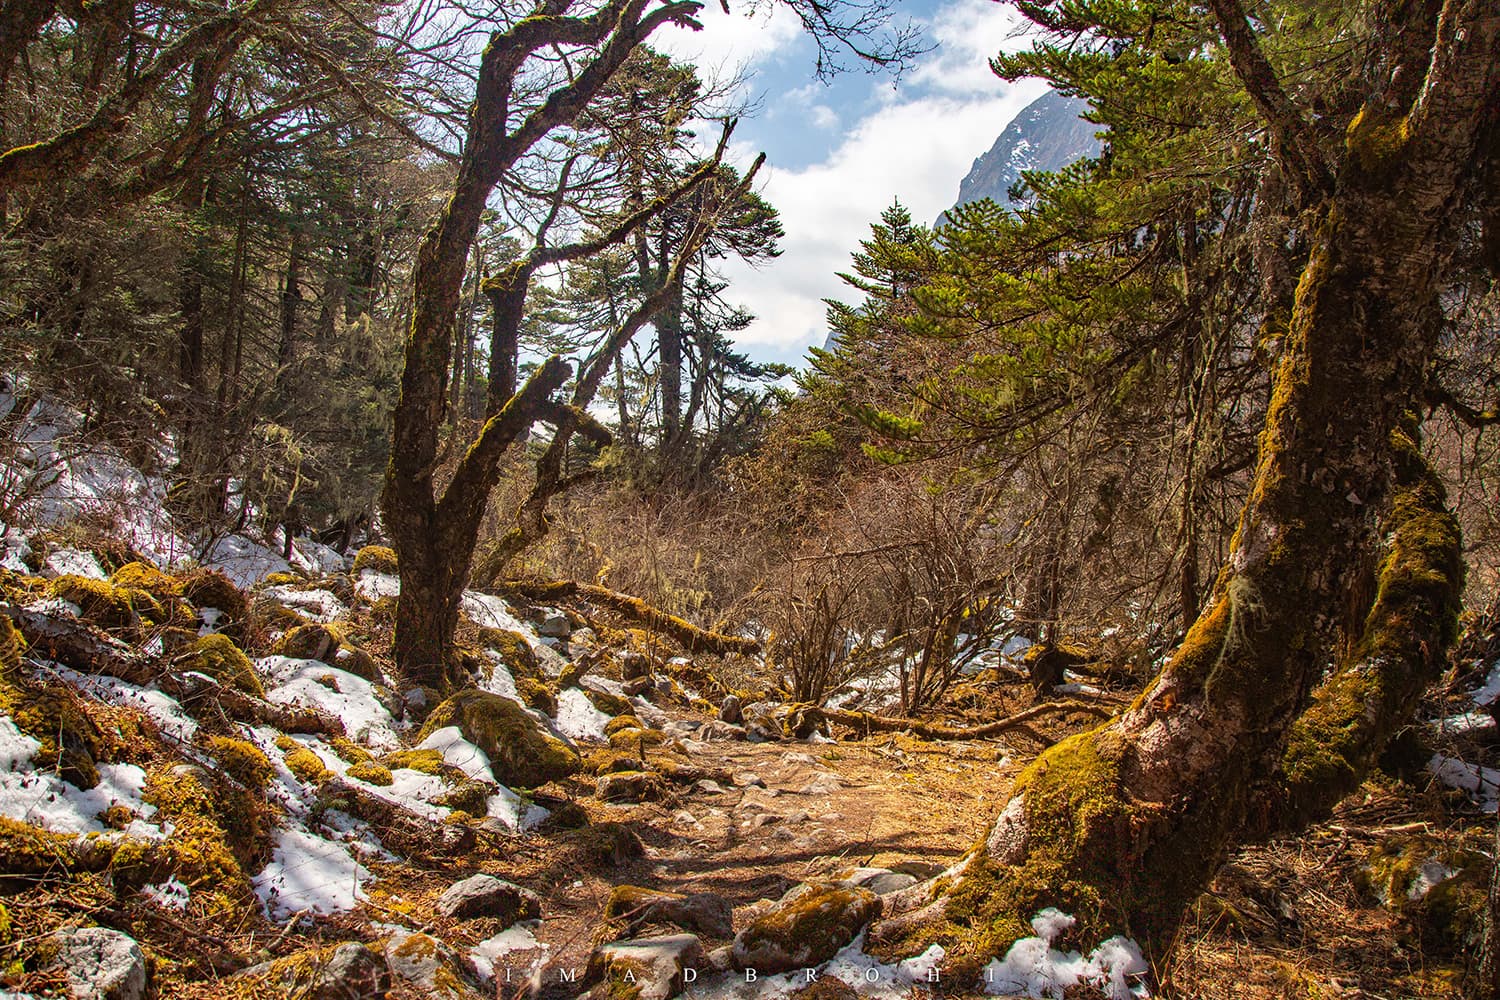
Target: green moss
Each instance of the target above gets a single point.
(1377, 139)
(620, 722)
(426, 761)
(217, 656)
(807, 931)
(368, 770)
(609, 704)
(521, 754)
(537, 695)
(70, 742)
(377, 558)
(349, 751)
(302, 761)
(515, 652)
(12, 647)
(144, 576)
(471, 797)
(242, 760)
(103, 604)
(611, 762)
(198, 852)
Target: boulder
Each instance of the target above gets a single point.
(488, 896)
(646, 968)
(555, 627)
(731, 711)
(705, 913)
(101, 963)
(352, 972)
(880, 881)
(631, 786)
(522, 754)
(429, 965)
(806, 929)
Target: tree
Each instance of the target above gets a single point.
(1124, 825)
(434, 530)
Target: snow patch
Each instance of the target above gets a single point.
(169, 895)
(577, 717)
(319, 605)
(308, 872)
(372, 586)
(164, 710)
(1033, 968)
(244, 561)
(44, 800)
(1482, 783)
(314, 684)
(73, 562)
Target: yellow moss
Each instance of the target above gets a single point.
(217, 656)
(144, 576)
(12, 646)
(633, 738)
(30, 850)
(242, 760)
(368, 770)
(515, 652)
(620, 722)
(471, 797)
(303, 762)
(609, 704)
(1377, 139)
(426, 761)
(71, 743)
(201, 851)
(379, 558)
(609, 761)
(521, 753)
(103, 604)
(328, 643)
(281, 580)
(537, 695)
(350, 751)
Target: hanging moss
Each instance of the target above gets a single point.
(377, 558)
(217, 656)
(521, 754)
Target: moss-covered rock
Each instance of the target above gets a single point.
(241, 760)
(328, 643)
(281, 579)
(144, 576)
(537, 695)
(217, 656)
(702, 913)
(71, 743)
(806, 930)
(620, 722)
(349, 751)
(209, 588)
(632, 786)
(611, 762)
(214, 840)
(376, 558)
(302, 761)
(646, 968)
(609, 704)
(371, 772)
(633, 738)
(521, 754)
(468, 796)
(103, 604)
(606, 845)
(426, 761)
(515, 652)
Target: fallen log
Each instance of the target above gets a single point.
(79, 645)
(684, 633)
(937, 731)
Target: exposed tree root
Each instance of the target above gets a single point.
(689, 636)
(868, 723)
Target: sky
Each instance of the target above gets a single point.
(838, 154)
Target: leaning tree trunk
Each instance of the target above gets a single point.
(1124, 825)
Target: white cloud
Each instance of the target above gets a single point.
(823, 116)
(731, 42)
(916, 150)
(967, 34)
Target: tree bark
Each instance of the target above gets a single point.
(1122, 826)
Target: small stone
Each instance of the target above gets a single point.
(764, 819)
(430, 965)
(731, 710)
(488, 896)
(101, 963)
(794, 818)
(555, 627)
(823, 784)
(747, 779)
(354, 972)
(708, 786)
(636, 686)
(646, 968)
(631, 786)
(721, 731)
(633, 665)
(880, 881)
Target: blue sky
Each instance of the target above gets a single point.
(838, 153)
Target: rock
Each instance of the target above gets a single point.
(730, 711)
(806, 929)
(488, 896)
(430, 965)
(353, 972)
(800, 816)
(721, 959)
(555, 627)
(636, 686)
(522, 754)
(646, 968)
(824, 784)
(706, 913)
(633, 665)
(682, 727)
(584, 638)
(721, 731)
(631, 786)
(748, 779)
(763, 820)
(101, 963)
(920, 870)
(708, 786)
(880, 881)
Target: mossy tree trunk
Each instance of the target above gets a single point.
(1123, 826)
(434, 532)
